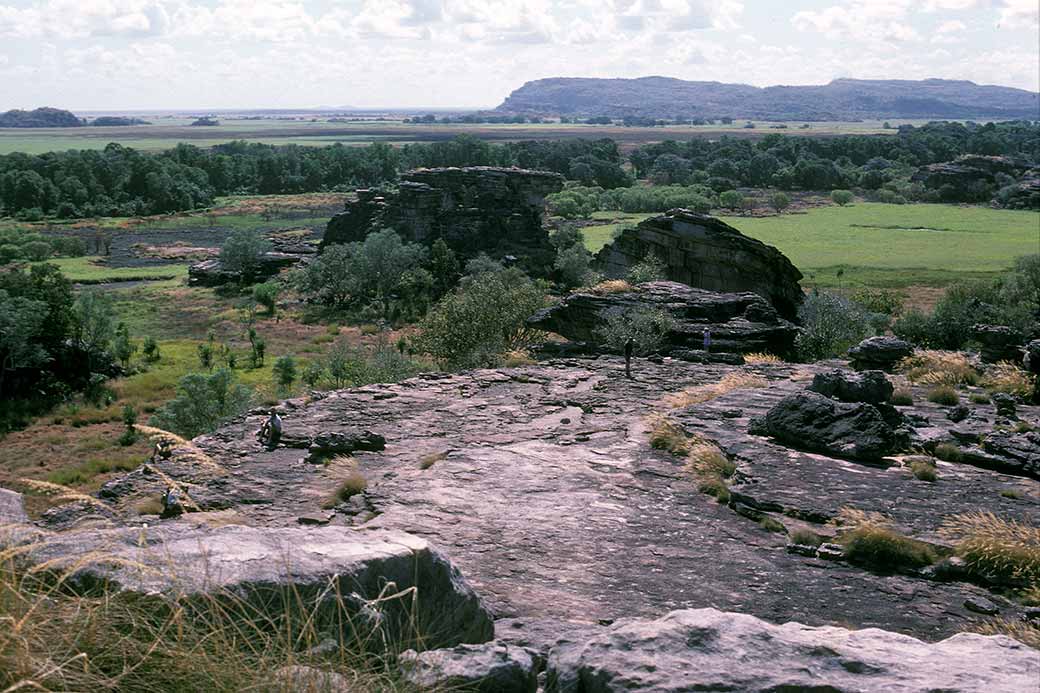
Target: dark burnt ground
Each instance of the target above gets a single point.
(544, 490)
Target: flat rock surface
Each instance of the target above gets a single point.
(540, 485)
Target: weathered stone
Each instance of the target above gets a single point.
(265, 568)
(872, 387)
(810, 421)
(998, 343)
(830, 552)
(981, 605)
(1031, 361)
(707, 253)
(491, 667)
(1004, 404)
(330, 443)
(958, 413)
(967, 173)
(1023, 194)
(478, 209)
(705, 649)
(1018, 453)
(212, 272)
(879, 353)
(739, 323)
(12, 508)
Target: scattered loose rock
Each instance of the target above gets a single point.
(492, 667)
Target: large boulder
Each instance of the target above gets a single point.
(12, 508)
(872, 387)
(707, 253)
(810, 421)
(972, 177)
(739, 323)
(1031, 360)
(710, 650)
(879, 353)
(492, 667)
(998, 342)
(269, 569)
(477, 209)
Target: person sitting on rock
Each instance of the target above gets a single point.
(162, 450)
(271, 432)
(171, 504)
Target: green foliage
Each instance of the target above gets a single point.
(129, 435)
(313, 373)
(482, 319)
(37, 250)
(647, 327)
(95, 320)
(266, 294)
(830, 325)
(242, 251)
(21, 321)
(574, 203)
(732, 199)
(443, 266)
(842, 197)
(284, 372)
(658, 198)
(779, 201)
(123, 348)
(258, 346)
(650, 269)
(573, 263)
(945, 395)
(150, 350)
(202, 403)
(881, 548)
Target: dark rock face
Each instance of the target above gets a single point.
(1031, 361)
(739, 323)
(492, 667)
(879, 353)
(709, 650)
(212, 272)
(706, 253)
(477, 209)
(255, 564)
(1025, 194)
(967, 171)
(872, 387)
(810, 421)
(999, 343)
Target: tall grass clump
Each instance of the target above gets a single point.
(1008, 378)
(934, 367)
(668, 435)
(710, 466)
(1006, 550)
(738, 380)
(945, 395)
(872, 542)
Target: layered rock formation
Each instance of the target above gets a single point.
(706, 253)
(739, 322)
(477, 209)
(213, 273)
(709, 650)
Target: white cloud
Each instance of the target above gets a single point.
(70, 19)
(1020, 13)
(863, 21)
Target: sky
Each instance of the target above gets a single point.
(188, 54)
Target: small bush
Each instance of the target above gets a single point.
(882, 548)
(770, 524)
(948, 452)
(842, 197)
(1003, 549)
(924, 469)
(666, 434)
(759, 357)
(349, 486)
(944, 395)
(1008, 378)
(902, 397)
(647, 327)
(611, 286)
(979, 398)
(650, 269)
(830, 325)
(1011, 493)
(805, 537)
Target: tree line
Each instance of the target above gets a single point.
(120, 181)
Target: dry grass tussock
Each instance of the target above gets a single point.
(52, 638)
(871, 541)
(737, 380)
(709, 465)
(350, 481)
(611, 286)
(756, 358)
(934, 367)
(1008, 378)
(990, 545)
(189, 451)
(516, 357)
(1023, 631)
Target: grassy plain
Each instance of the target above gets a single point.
(94, 270)
(881, 245)
(165, 133)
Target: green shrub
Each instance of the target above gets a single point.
(882, 548)
(242, 251)
(923, 468)
(647, 327)
(650, 269)
(842, 197)
(779, 201)
(945, 395)
(805, 537)
(902, 397)
(284, 372)
(732, 199)
(266, 294)
(770, 524)
(830, 325)
(948, 452)
(150, 350)
(202, 403)
(482, 319)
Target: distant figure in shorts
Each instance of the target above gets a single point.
(630, 346)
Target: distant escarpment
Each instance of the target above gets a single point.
(478, 209)
(707, 253)
(842, 99)
(39, 118)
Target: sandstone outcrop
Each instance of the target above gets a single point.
(879, 353)
(739, 322)
(998, 343)
(269, 568)
(967, 171)
(492, 667)
(810, 421)
(477, 209)
(710, 650)
(12, 509)
(707, 253)
(872, 387)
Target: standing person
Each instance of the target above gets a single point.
(707, 339)
(630, 345)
